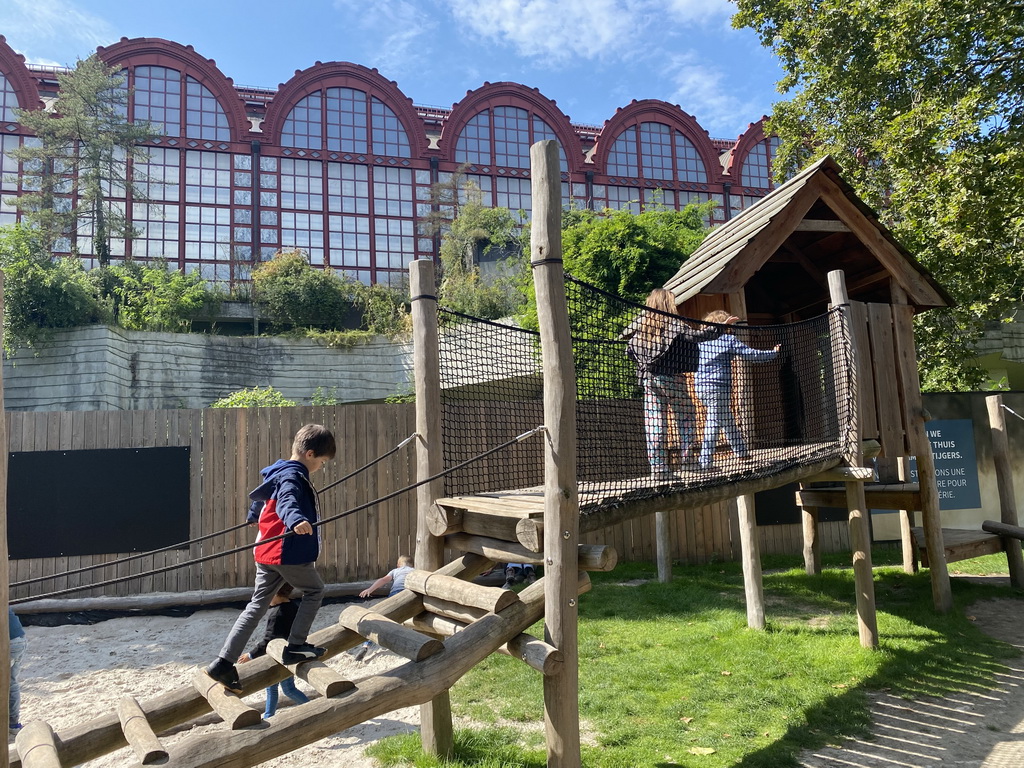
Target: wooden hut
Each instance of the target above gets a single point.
(770, 264)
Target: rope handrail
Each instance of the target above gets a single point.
(208, 536)
(319, 523)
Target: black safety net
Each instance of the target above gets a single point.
(664, 404)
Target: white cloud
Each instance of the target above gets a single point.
(400, 32)
(30, 25)
(699, 11)
(703, 92)
(557, 29)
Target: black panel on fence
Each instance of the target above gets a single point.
(69, 503)
(778, 507)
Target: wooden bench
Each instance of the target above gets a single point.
(959, 544)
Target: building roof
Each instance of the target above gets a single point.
(780, 250)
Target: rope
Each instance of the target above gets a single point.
(208, 536)
(1012, 411)
(318, 524)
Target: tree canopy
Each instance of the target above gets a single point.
(921, 102)
(77, 167)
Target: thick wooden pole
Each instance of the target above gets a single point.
(436, 733)
(663, 544)
(812, 541)
(931, 519)
(1004, 482)
(860, 534)
(5, 576)
(753, 586)
(561, 495)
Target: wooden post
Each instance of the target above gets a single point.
(1004, 481)
(931, 520)
(5, 576)
(812, 541)
(663, 544)
(753, 587)
(436, 733)
(139, 733)
(860, 536)
(561, 495)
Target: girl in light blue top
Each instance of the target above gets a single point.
(713, 383)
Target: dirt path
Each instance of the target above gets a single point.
(975, 729)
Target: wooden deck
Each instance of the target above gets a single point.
(517, 515)
(959, 544)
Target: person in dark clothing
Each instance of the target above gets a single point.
(285, 503)
(280, 618)
(18, 644)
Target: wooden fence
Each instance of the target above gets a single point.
(228, 447)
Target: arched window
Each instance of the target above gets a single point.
(651, 151)
(162, 97)
(8, 101)
(757, 165)
(345, 120)
(502, 136)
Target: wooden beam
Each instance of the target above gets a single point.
(1004, 483)
(753, 586)
(457, 590)
(139, 733)
(436, 729)
(822, 225)
(389, 634)
(38, 744)
(232, 709)
(841, 474)
(561, 493)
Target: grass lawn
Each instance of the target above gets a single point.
(670, 675)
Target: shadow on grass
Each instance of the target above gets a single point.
(922, 654)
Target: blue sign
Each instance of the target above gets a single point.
(956, 468)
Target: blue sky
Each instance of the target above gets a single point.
(590, 56)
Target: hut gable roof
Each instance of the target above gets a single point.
(783, 247)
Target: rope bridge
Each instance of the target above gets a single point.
(791, 408)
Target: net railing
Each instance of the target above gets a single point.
(738, 403)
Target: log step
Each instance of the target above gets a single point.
(226, 704)
(139, 733)
(37, 746)
(325, 680)
(490, 599)
(389, 634)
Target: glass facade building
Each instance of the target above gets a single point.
(339, 163)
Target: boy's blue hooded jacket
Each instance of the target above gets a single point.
(284, 499)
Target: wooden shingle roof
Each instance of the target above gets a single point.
(780, 250)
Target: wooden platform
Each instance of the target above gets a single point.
(959, 544)
(878, 495)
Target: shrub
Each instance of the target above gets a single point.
(291, 292)
(253, 398)
(385, 310)
(151, 297)
(41, 294)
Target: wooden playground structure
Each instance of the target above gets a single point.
(443, 624)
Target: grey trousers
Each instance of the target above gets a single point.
(269, 579)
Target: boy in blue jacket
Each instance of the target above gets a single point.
(285, 502)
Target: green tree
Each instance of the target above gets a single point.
(922, 104)
(475, 232)
(42, 294)
(253, 398)
(294, 293)
(79, 163)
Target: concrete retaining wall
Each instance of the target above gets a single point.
(107, 368)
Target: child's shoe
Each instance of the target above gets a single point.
(224, 672)
(13, 730)
(296, 653)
